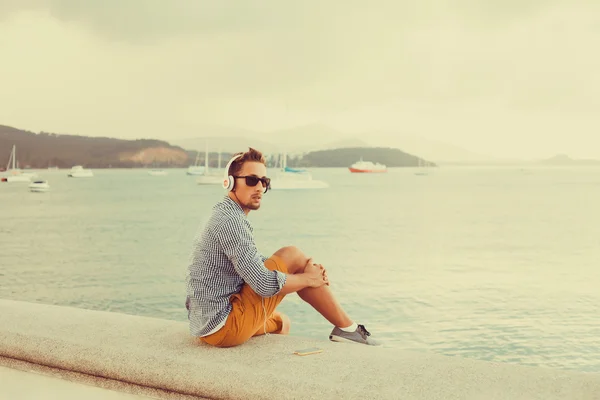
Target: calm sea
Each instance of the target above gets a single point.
(498, 264)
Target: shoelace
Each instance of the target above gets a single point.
(364, 330)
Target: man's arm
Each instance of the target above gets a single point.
(294, 283)
(237, 242)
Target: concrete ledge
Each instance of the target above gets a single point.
(22, 385)
(30, 385)
(160, 354)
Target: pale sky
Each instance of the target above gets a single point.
(508, 78)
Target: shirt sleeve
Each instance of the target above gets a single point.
(236, 240)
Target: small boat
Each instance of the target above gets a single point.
(196, 169)
(12, 172)
(367, 167)
(16, 178)
(296, 170)
(39, 186)
(206, 177)
(421, 168)
(209, 180)
(287, 181)
(157, 172)
(294, 178)
(79, 172)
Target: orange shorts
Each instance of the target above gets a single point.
(247, 317)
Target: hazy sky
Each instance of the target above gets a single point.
(515, 78)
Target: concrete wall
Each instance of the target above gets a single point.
(160, 354)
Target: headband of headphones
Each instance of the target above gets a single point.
(228, 180)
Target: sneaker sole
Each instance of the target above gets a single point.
(335, 338)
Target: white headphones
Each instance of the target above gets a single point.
(228, 180)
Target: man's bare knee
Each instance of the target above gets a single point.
(293, 257)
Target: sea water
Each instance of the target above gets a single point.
(491, 263)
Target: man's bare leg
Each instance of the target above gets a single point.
(285, 329)
(321, 298)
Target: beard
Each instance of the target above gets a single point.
(249, 204)
(252, 206)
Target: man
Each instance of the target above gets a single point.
(232, 290)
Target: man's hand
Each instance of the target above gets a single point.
(316, 274)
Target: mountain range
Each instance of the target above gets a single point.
(45, 149)
(316, 137)
(41, 150)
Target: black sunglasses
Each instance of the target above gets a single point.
(252, 180)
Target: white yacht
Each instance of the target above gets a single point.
(421, 170)
(207, 177)
(39, 186)
(13, 173)
(293, 178)
(293, 181)
(196, 169)
(157, 172)
(15, 178)
(79, 172)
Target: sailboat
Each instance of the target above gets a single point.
(294, 178)
(157, 172)
(13, 173)
(421, 168)
(195, 169)
(208, 178)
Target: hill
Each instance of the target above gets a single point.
(435, 150)
(41, 150)
(563, 159)
(48, 149)
(296, 140)
(225, 144)
(347, 156)
(314, 137)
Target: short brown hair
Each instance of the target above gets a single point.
(251, 155)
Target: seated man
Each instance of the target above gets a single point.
(232, 290)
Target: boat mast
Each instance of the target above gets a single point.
(13, 157)
(206, 158)
(10, 158)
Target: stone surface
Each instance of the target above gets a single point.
(160, 354)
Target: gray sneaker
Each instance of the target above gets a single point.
(360, 335)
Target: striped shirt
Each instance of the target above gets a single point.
(224, 257)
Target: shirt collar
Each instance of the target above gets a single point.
(232, 205)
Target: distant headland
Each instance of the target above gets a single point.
(563, 159)
(43, 150)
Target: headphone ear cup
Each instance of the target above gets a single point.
(228, 180)
(228, 183)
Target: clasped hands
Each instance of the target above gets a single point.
(316, 273)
